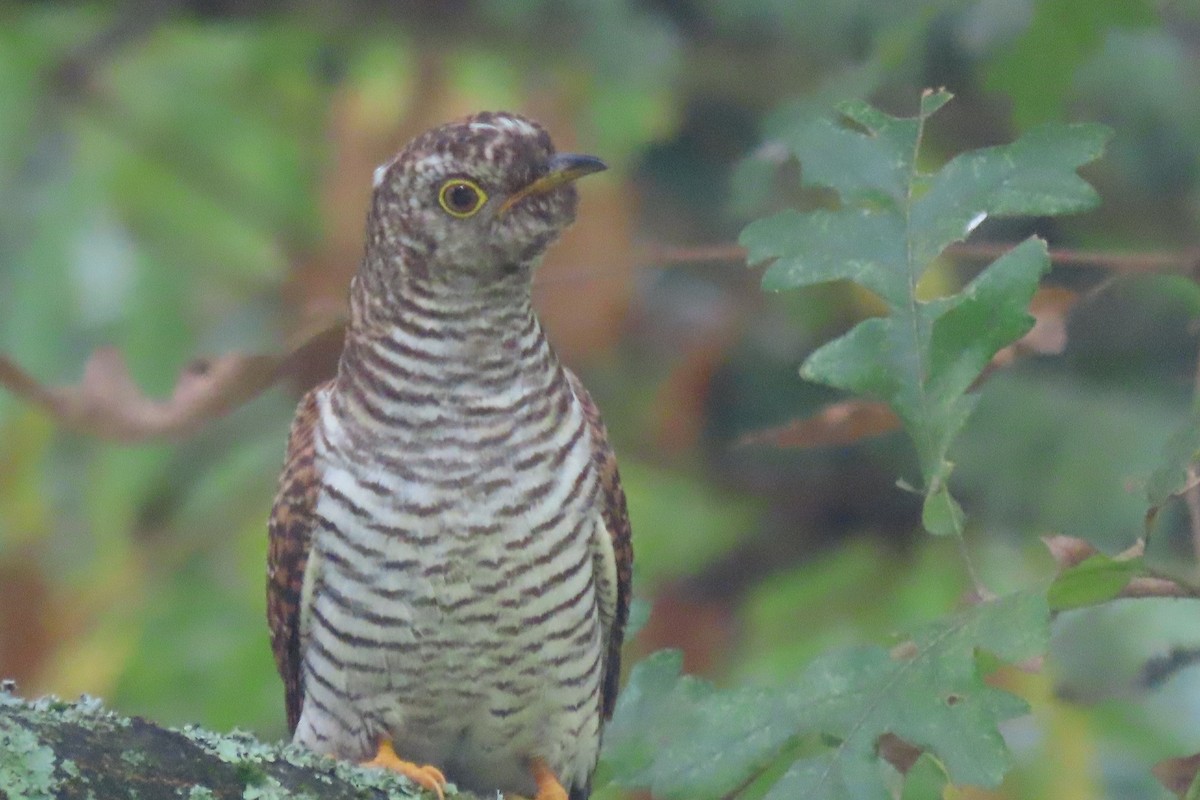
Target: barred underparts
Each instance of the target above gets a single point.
(449, 549)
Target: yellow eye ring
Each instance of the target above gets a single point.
(461, 198)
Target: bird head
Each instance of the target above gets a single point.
(474, 200)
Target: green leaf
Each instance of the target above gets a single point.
(1180, 452)
(824, 246)
(677, 736)
(1033, 175)
(1037, 70)
(639, 615)
(925, 780)
(660, 499)
(681, 738)
(984, 317)
(923, 355)
(1094, 580)
(941, 514)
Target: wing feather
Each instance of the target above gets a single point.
(616, 549)
(289, 540)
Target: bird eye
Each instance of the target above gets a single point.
(461, 197)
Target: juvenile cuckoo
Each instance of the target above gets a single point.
(449, 556)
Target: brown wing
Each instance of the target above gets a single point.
(289, 538)
(616, 520)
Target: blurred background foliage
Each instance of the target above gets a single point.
(190, 177)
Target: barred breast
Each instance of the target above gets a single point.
(450, 596)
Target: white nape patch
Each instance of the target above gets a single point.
(976, 220)
(380, 171)
(514, 124)
(430, 163)
(483, 126)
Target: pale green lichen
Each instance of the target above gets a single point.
(245, 751)
(234, 747)
(397, 787)
(85, 711)
(271, 789)
(34, 775)
(26, 766)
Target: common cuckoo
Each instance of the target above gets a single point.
(450, 557)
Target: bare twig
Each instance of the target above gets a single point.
(1151, 585)
(841, 423)
(1151, 261)
(107, 403)
(663, 255)
(133, 22)
(1191, 493)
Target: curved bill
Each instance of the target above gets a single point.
(563, 168)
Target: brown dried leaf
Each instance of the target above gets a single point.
(1068, 551)
(1155, 586)
(851, 421)
(1177, 774)
(681, 401)
(897, 752)
(362, 134)
(27, 628)
(1050, 307)
(841, 423)
(583, 288)
(313, 356)
(1135, 550)
(1032, 666)
(904, 651)
(702, 629)
(108, 404)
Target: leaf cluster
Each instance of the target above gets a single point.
(865, 721)
(893, 221)
(825, 735)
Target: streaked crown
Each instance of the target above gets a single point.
(475, 199)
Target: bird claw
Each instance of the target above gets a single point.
(426, 776)
(548, 786)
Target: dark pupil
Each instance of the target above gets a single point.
(461, 197)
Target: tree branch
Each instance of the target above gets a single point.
(53, 750)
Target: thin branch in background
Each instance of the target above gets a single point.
(1151, 585)
(1071, 551)
(73, 80)
(1159, 669)
(1191, 492)
(107, 403)
(667, 255)
(134, 21)
(1191, 499)
(1184, 262)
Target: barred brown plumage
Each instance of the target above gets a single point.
(449, 561)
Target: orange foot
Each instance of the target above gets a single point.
(548, 787)
(424, 775)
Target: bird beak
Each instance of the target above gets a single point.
(564, 168)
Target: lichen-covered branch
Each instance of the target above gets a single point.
(50, 749)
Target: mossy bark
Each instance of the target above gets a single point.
(50, 749)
